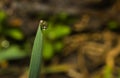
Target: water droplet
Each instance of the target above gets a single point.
(43, 24)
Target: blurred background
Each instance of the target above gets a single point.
(82, 39)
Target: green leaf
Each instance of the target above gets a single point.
(13, 52)
(15, 34)
(58, 46)
(59, 31)
(48, 51)
(36, 57)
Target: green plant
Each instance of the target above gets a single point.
(35, 63)
(53, 39)
(13, 52)
(15, 34)
(58, 28)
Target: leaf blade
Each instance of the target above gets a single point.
(36, 56)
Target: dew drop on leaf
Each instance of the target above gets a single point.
(43, 24)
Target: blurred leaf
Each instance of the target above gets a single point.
(59, 31)
(58, 46)
(2, 16)
(15, 34)
(48, 51)
(13, 52)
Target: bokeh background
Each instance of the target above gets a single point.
(81, 41)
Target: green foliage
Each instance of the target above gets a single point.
(7, 51)
(53, 36)
(58, 45)
(15, 34)
(58, 31)
(13, 52)
(48, 50)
